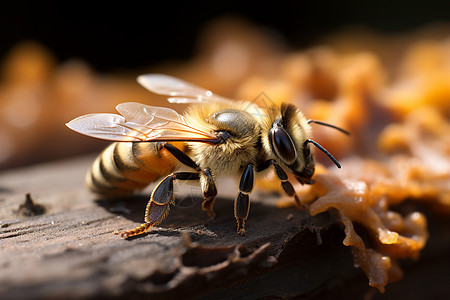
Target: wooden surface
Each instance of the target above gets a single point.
(66, 247)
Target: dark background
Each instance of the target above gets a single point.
(121, 35)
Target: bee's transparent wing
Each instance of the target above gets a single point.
(104, 126)
(139, 122)
(179, 91)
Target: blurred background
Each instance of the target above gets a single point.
(59, 60)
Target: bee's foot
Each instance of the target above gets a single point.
(241, 231)
(211, 215)
(138, 230)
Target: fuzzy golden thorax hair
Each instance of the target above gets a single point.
(238, 150)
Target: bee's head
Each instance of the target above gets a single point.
(289, 141)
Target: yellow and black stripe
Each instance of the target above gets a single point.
(124, 167)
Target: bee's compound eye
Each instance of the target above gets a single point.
(283, 145)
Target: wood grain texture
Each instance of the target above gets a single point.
(69, 249)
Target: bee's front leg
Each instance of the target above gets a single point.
(283, 177)
(242, 201)
(159, 205)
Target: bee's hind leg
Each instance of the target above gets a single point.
(159, 205)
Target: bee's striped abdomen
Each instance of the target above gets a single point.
(124, 167)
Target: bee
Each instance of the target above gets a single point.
(214, 137)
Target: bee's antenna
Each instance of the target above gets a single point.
(329, 125)
(324, 151)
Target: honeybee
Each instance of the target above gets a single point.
(214, 137)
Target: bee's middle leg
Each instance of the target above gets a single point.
(242, 201)
(159, 204)
(209, 191)
(207, 181)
